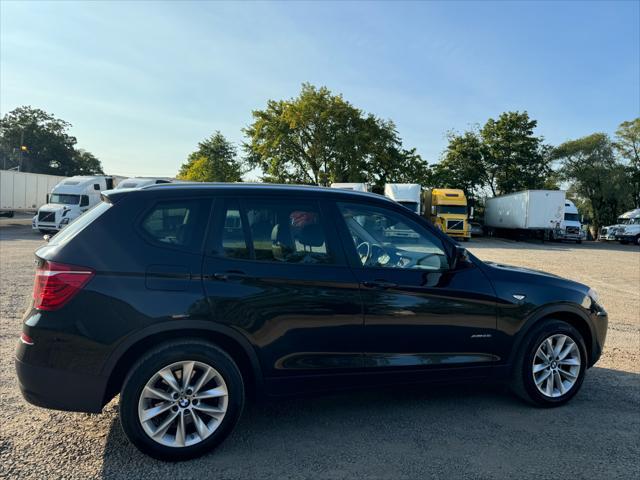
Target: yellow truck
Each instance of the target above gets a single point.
(447, 209)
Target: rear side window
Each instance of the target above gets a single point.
(79, 224)
(180, 223)
(283, 231)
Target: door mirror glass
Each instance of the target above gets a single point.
(460, 258)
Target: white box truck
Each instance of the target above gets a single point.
(406, 194)
(69, 199)
(535, 211)
(23, 191)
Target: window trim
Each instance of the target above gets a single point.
(214, 238)
(199, 249)
(350, 249)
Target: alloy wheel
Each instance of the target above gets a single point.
(556, 365)
(183, 403)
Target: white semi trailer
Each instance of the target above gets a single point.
(533, 211)
(23, 191)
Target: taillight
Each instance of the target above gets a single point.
(57, 283)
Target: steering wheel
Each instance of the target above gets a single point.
(365, 255)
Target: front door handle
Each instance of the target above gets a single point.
(379, 284)
(231, 275)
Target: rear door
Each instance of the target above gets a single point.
(274, 270)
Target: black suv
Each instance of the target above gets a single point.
(184, 298)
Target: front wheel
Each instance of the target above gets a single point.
(551, 367)
(181, 400)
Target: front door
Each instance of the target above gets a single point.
(274, 270)
(419, 313)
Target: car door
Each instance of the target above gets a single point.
(419, 313)
(274, 270)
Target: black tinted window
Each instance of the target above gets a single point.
(286, 231)
(180, 223)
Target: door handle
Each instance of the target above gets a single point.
(230, 275)
(382, 284)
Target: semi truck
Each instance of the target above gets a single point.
(614, 232)
(406, 194)
(69, 199)
(448, 210)
(570, 227)
(629, 231)
(23, 191)
(537, 212)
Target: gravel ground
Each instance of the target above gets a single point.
(417, 432)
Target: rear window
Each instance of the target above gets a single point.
(180, 223)
(79, 224)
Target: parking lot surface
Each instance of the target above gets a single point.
(422, 432)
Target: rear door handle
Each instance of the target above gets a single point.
(379, 284)
(231, 275)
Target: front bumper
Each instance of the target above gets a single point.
(60, 389)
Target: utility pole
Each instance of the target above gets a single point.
(22, 148)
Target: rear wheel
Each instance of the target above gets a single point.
(551, 367)
(181, 400)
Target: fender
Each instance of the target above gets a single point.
(546, 311)
(183, 325)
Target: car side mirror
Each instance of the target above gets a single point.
(460, 258)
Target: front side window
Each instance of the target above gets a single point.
(384, 238)
(284, 231)
(64, 199)
(180, 223)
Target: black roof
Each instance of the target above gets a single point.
(258, 187)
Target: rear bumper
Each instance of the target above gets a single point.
(60, 389)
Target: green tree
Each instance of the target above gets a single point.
(627, 143)
(36, 141)
(590, 164)
(215, 160)
(320, 138)
(515, 159)
(463, 164)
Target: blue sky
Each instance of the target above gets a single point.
(143, 82)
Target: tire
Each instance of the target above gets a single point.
(135, 400)
(578, 242)
(637, 242)
(465, 239)
(523, 383)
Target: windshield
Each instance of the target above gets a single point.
(413, 206)
(457, 209)
(64, 199)
(573, 217)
